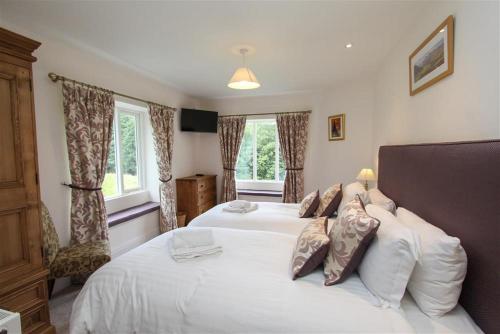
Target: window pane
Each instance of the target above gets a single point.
(266, 150)
(128, 132)
(244, 166)
(109, 185)
(282, 168)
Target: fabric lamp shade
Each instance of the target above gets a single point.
(243, 78)
(366, 174)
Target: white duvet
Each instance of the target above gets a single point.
(246, 289)
(275, 217)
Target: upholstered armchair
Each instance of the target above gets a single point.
(75, 260)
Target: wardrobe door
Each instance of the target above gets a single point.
(20, 242)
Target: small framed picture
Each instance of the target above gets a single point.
(336, 127)
(433, 59)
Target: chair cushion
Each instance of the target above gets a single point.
(80, 259)
(49, 237)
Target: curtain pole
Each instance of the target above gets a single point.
(55, 78)
(270, 113)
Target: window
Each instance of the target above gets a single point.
(260, 165)
(124, 173)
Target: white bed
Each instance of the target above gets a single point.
(275, 217)
(246, 289)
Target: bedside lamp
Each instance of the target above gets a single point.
(366, 175)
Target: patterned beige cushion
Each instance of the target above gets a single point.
(80, 259)
(309, 204)
(312, 246)
(350, 236)
(49, 237)
(329, 201)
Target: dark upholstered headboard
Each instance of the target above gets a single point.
(456, 187)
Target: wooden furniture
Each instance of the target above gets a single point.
(23, 278)
(196, 194)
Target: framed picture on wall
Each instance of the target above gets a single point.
(336, 127)
(433, 59)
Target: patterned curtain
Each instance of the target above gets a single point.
(230, 131)
(162, 122)
(292, 131)
(89, 126)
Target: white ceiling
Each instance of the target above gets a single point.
(299, 46)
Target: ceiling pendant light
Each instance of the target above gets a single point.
(243, 78)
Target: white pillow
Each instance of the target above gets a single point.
(378, 198)
(390, 259)
(349, 192)
(436, 281)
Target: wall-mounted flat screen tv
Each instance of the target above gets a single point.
(194, 120)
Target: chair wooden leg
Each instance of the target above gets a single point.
(51, 283)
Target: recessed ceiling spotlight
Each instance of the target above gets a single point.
(348, 46)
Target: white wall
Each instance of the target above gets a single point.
(326, 162)
(463, 106)
(62, 57)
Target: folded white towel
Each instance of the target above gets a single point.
(253, 207)
(192, 237)
(240, 204)
(185, 254)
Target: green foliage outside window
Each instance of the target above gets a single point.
(266, 147)
(128, 144)
(244, 166)
(127, 127)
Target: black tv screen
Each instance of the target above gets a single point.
(198, 120)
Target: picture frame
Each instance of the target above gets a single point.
(336, 127)
(433, 60)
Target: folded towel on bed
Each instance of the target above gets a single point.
(187, 244)
(252, 207)
(184, 254)
(192, 237)
(240, 204)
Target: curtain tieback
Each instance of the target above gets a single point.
(72, 186)
(165, 181)
(294, 168)
(228, 168)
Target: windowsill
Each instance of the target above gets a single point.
(132, 213)
(260, 185)
(264, 193)
(126, 201)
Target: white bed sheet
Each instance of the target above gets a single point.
(275, 217)
(246, 289)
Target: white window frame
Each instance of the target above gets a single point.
(139, 113)
(254, 184)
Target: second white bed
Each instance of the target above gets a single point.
(274, 217)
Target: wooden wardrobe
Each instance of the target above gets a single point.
(23, 283)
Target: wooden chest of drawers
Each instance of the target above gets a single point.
(196, 194)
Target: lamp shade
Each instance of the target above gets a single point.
(366, 174)
(243, 78)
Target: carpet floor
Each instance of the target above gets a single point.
(60, 308)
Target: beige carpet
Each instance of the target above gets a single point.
(60, 308)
